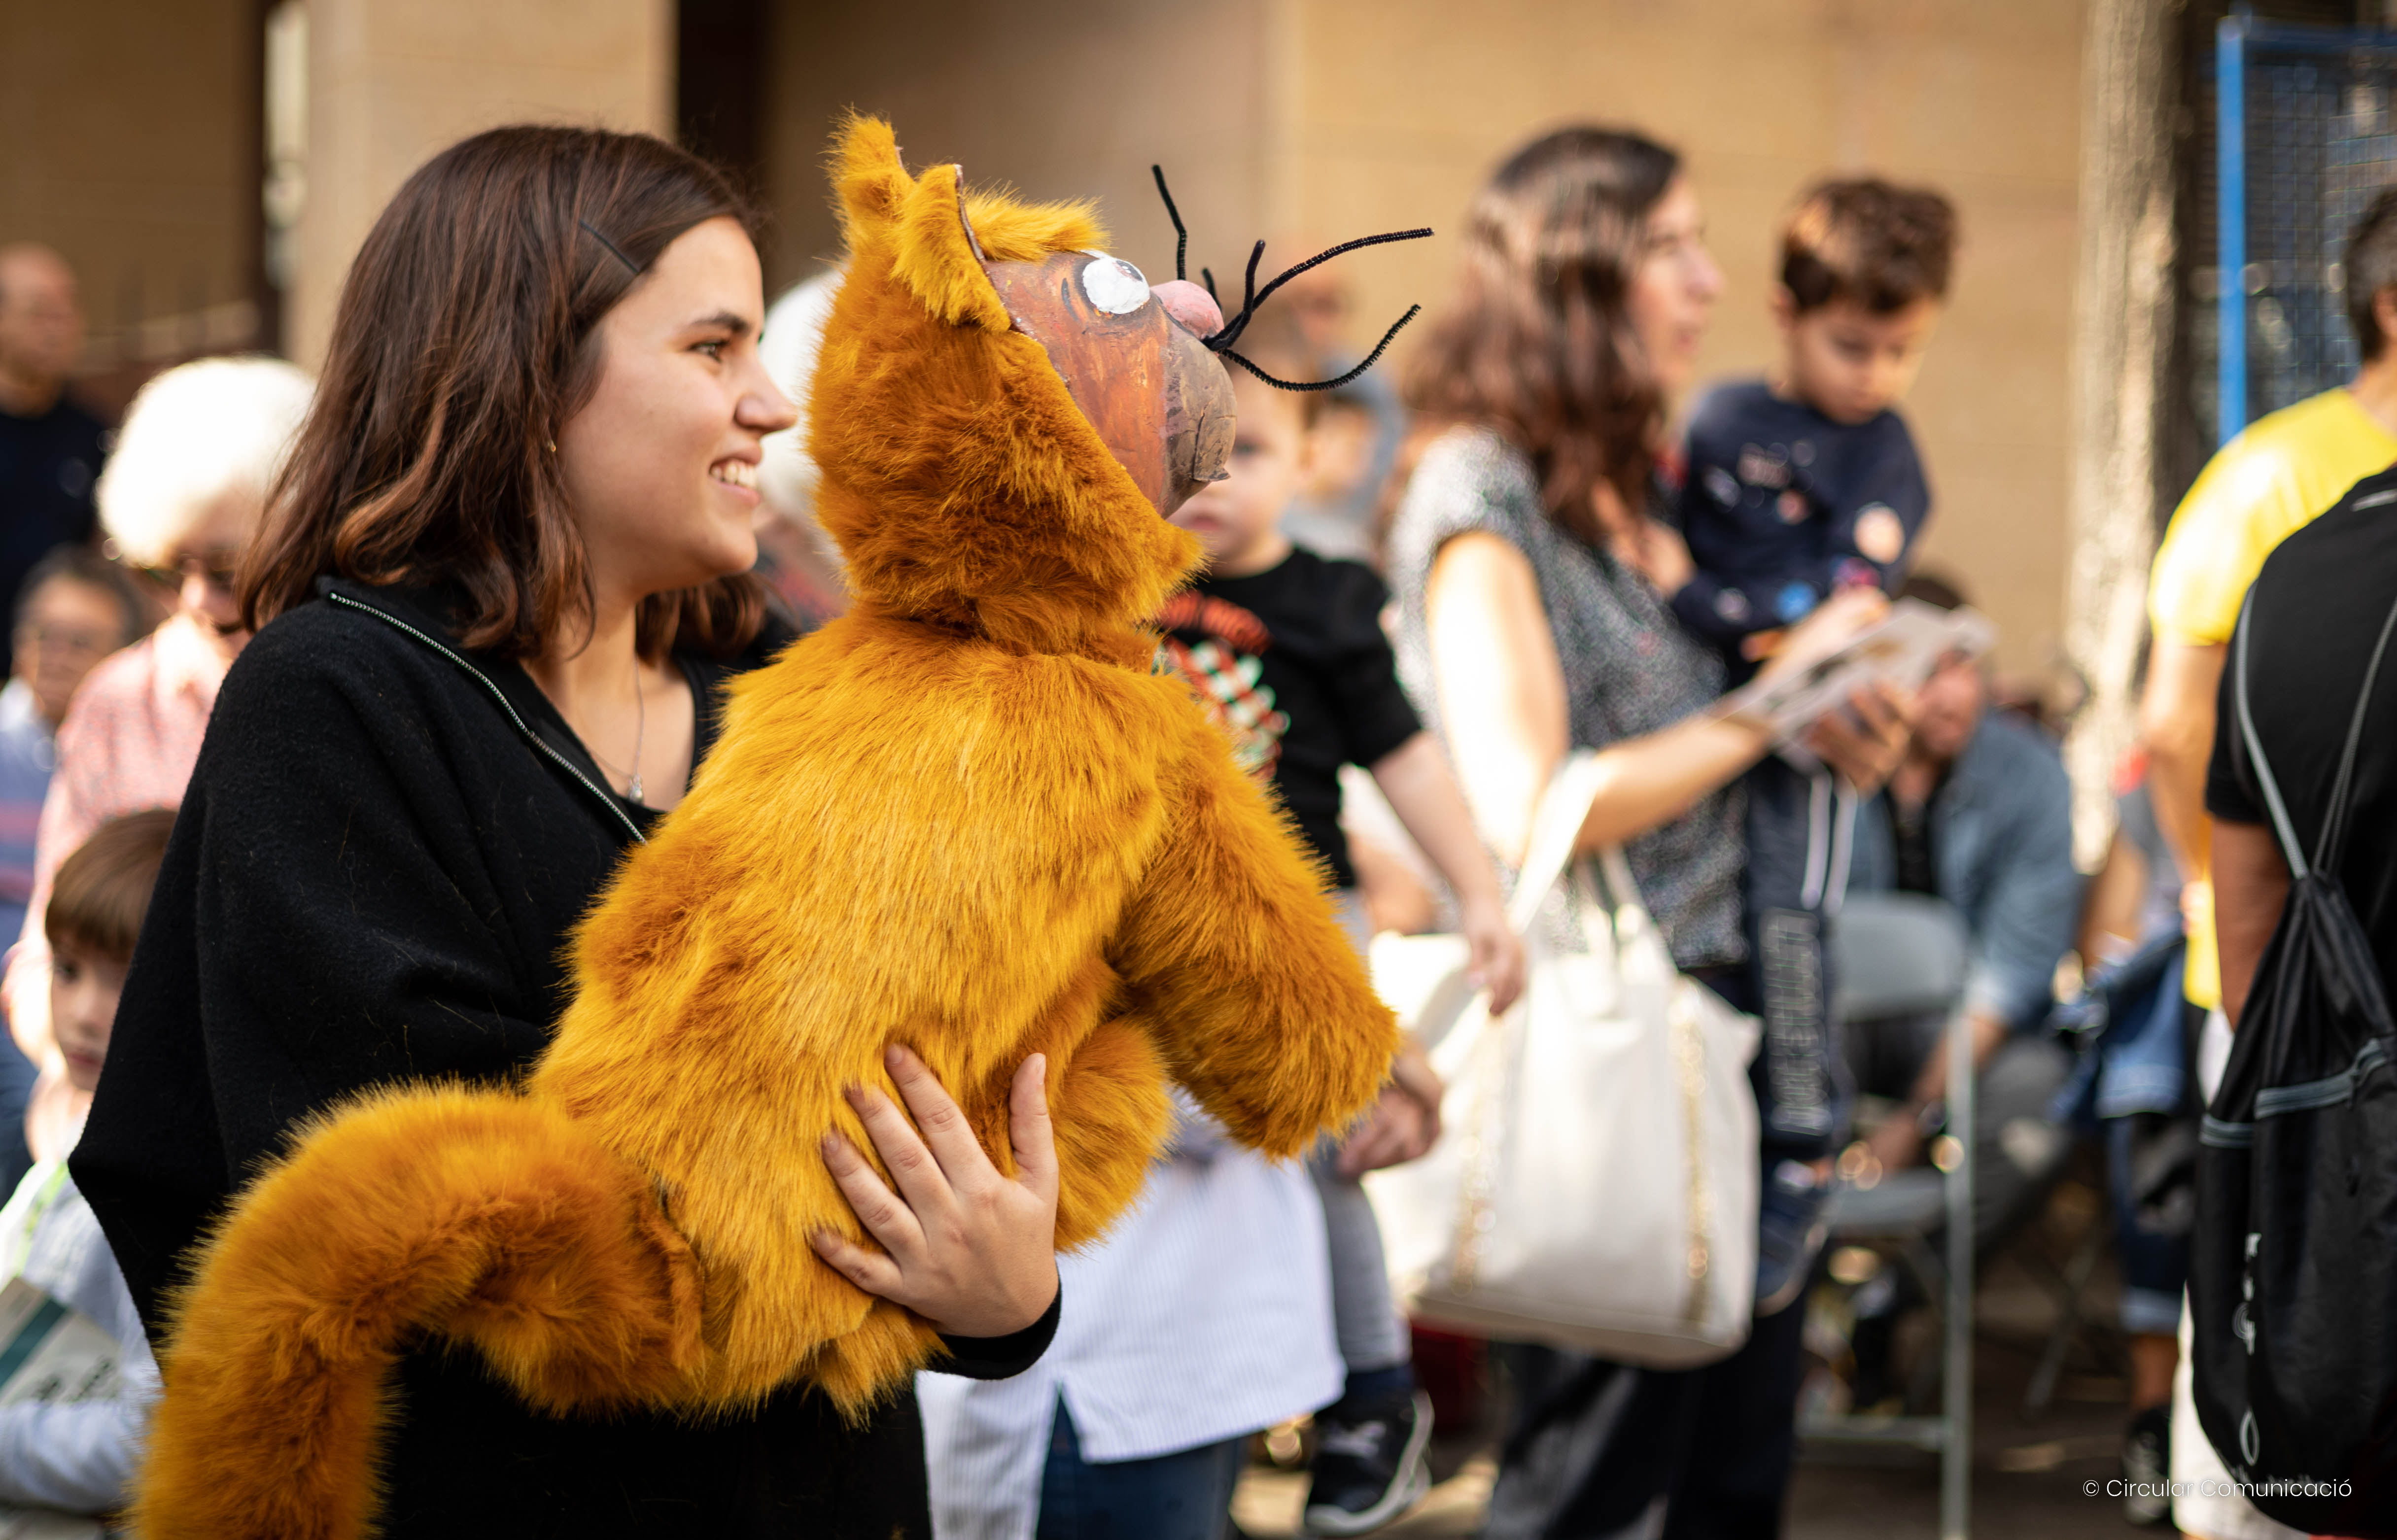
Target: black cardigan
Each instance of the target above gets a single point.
(372, 878)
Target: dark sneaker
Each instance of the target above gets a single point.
(1792, 1219)
(2147, 1466)
(1369, 1462)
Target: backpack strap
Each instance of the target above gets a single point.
(2263, 767)
(2333, 843)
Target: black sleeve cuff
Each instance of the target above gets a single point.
(1003, 1357)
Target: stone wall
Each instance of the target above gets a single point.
(132, 147)
(392, 82)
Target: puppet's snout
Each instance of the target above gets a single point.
(1191, 305)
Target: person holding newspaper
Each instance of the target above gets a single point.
(1534, 575)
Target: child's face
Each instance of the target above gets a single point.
(83, 989)
(1848, 363)
(68, 626)
(1240, 520)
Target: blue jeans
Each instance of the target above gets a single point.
(1186, 1496)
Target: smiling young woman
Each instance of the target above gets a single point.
(503, 582)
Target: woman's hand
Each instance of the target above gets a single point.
(1497, 951)
(1823, 632)
(1404, 1124)
(1897, 1143)
(1868, 750)
(970, 1251)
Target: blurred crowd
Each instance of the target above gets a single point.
(1423, 590)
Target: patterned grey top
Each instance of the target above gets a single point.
(1629, 668)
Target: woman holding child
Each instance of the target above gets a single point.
(1534, 576)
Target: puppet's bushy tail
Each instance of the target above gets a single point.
(477, 1215)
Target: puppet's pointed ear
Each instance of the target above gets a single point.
(872, 180)
(937, 259)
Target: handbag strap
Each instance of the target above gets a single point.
(2329, 846)
(1556, 830)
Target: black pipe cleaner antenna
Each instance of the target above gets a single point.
(1252, 296)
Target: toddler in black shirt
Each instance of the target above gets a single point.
(1288, 652)
(1793, 489)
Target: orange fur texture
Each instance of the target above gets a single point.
(965, 817)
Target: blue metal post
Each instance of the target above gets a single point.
(2230, 146)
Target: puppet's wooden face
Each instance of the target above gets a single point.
(1160, 401)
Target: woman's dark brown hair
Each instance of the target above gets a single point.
(464, 342)
(1537, 340)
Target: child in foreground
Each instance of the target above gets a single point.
(1288, 650)
(80, 1455)
(1796, 487)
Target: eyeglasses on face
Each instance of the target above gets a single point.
(217, 570)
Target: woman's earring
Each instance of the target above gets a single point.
(552, 445)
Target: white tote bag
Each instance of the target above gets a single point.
(1595, 1183)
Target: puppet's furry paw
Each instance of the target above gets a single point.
(475, 1214)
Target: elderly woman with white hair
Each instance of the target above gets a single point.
(796, 559)
(180, 499)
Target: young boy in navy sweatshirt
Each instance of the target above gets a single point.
(1796, 486)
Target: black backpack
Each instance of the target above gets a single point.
(2292, 1265)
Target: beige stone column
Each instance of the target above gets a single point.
(2122, 334)
(392, 82)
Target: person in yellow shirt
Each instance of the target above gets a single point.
(2280, 474)
(2263, 485)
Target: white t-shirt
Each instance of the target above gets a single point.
(1205, 1314)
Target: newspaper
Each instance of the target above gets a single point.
(49, 1353)
(1901, 650)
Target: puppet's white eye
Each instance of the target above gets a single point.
(1115, 285)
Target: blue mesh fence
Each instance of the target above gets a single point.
(2307, 134)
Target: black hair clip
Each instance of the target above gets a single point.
(593, 231)
(1252, 296)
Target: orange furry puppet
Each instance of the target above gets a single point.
(966, 817)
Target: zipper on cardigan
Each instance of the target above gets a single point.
(498, 694)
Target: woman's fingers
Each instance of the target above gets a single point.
(970, 1251)
(886, 1218)
(1821, 633)
(1394, 1132)
(1866, 749)
(1030, 1131)
(963, 1164)
(871, 1271)
(1497, 961)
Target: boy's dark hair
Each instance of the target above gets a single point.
(82, 563)
(1868, 242)
(103, 890)
(2370, 266)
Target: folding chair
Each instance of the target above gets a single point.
(1903, 955)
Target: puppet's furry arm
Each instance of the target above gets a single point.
(478, 1216)
(1261, 1008)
